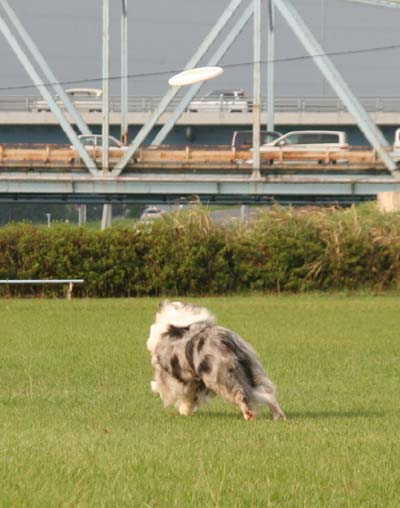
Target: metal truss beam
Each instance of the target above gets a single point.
(214, 60)
(256, 88)
(331, 73)
(106, 86)
(124, 72)
(41, 62)
(106, 219)
(379, 3)
(55, 108)
(75, 187)
(165, 101)
(271, 67)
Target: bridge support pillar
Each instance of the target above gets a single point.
(389, 201)
(106, 219)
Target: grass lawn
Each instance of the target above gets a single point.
(79, 426)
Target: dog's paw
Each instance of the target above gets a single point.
(153, 385)
(249, 415)
(185, 409)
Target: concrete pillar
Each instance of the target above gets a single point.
(106, 219)
(389, 201)
(81, 215)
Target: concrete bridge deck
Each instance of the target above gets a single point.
(223, 118)
(20, 110)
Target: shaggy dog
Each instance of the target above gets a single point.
(194, 359)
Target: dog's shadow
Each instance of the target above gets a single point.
(353, 413)
(300, 415)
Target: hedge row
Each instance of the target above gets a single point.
(189, 254)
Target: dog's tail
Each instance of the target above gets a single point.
(181, 315)
(267, 396)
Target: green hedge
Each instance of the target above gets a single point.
(188, 254)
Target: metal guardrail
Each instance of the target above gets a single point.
(146, 104)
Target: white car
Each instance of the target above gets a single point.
(151, 213)
(396, 146)
(94, 142)
(85, 99)
(307, 141)
(232, 101)
(243, 139)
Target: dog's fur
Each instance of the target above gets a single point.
(194, 359)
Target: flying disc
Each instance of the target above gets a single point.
(195, 76)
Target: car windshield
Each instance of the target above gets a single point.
(111, 142)
(88, 141)
(311, 138)
(246, 137)
(224, 94)
(98, 141)
(84, 92)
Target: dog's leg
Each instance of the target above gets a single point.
(247, 411)
(269, 399)
(185, 407)
(235, 395)
(154, 387)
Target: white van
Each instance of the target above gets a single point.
(308, 141)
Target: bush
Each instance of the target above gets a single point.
(189, 254)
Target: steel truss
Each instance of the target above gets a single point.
(287, 11)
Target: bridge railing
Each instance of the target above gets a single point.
(146, 104)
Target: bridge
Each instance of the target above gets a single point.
(289, 111)
(211, 174)
(21, 122)
(138, 174)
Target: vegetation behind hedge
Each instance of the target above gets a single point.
(188, 254)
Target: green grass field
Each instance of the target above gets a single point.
(79, 426)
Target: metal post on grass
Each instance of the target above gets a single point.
(69, 290)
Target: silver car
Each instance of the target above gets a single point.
(232, 101)
(85, 99)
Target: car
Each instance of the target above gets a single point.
(151, 213)
(94, 142)
(396, 143)
(232, 101)
(395, 152)
(311, 140)
(243, 139)
(85, 99)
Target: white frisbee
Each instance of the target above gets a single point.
(195, 76)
